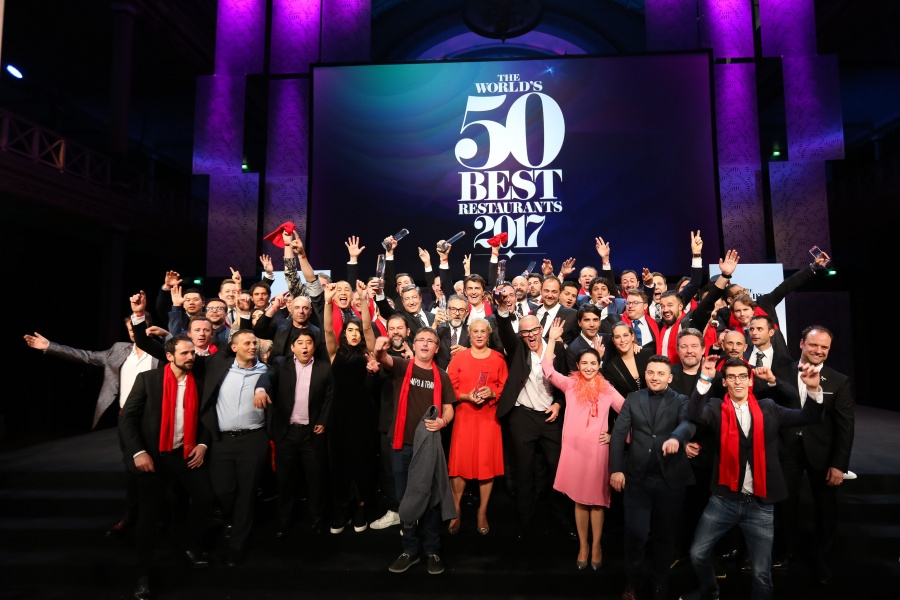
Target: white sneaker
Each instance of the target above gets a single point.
(389, 519)
(849, 475)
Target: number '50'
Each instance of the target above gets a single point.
(504, 140)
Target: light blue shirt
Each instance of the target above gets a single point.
(234, 406)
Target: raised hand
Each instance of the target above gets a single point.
(362, 292)
(172, 279)
(266, 262)
(443, 250)
(556, 329)
(696, 243)
(330, 292)
(602, 249)
(138, 303)
(567, 267)
(728, 264)
(547, 267)
(297, 246)
(177, 298)
(425, 257)
(236, 275)
(353, 247)
(467, 264)
(646, 277)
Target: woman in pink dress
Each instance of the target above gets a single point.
(583, 472)
(476, 444)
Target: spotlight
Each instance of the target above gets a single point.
(14, 71)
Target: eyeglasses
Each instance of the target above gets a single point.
(738, 377)
(215, 309)
(456, 310)
(425, 341)
(530, 332)
(633, 303)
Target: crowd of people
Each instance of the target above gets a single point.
(359, 393)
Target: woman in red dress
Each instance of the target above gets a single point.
(476, 446)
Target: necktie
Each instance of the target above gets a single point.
(658, 312)
(637, 331)
(759, 359)
(454, 338)
(421, 320)
(544, 318)
(519, 310)
(232, 315)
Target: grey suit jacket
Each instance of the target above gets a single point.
(110, 359)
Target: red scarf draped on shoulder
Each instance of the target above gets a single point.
(654, 327)
(730, 467)
(169, 403)
(487, 309)
(403, 400)
(337, 316)
(672, 350)
(734, 325)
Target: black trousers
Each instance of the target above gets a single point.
(171, 467)
(652, 510)
(235, 466)
(300, 451)
(529, 431)
(794, 464)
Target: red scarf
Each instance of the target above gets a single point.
(730, 469)
(337, 316)
(734, 325)
(672, 350)
(487, 309)
(169, 401)
(710, 338)
(400, 423)
(650, 322)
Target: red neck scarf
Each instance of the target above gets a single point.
(733, 323)
(337, 316)
(487, 309)
(400, 423)
(730, 468)
(710, 338)
(654, 327)
(672, 350)
(169, 402)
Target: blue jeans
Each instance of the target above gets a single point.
(426, 533)
(757, 522)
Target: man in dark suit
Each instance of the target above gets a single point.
(656, 472)
(164, 441)
(635, 315)
(454, 332)
(283, 332)
(589, 336)
(551, 309)
(523, 305)
(821, 450)
(747, 477)
(768, 350)
(535, 415)
(297, 421)
(410, 309)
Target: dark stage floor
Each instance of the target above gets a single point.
(58, 498)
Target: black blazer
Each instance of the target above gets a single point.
(617, 374)
(279, 383)
(647, 439)
(826, 444)
(569, 317)
(579, 345)
(707, 412)
(518, 362)
(783, 366)
(140, 420)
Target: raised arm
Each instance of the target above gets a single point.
(556, 378)
(362, 292)
(327, 326)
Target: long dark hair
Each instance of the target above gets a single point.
(344, 345)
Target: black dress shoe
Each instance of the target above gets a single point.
(120, 526)
(199, 560)
(781, 562)
(142, 589)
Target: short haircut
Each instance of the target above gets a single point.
(430, 330)
(173, 341)
(691, 331)
(659, 358)
(193, 290)
(410, 288)
(595, 281)
(637, 292)
(457, 297)
(476, 278)
(399, 275)
(769, 320)
(236, 333)
(216, 299)
(669, 294)
(260, 284)
(480, 321)
(812, 328)
(535, 275)
(744, 299)
(198, 318)
(735, 362)
(570, 283)
(589, 308)
(305, 333)
(226, 282)
(324, 276)
(397, 317)
(627, 271)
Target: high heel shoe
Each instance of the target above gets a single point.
(597, 565)
(581, 564)
(484, 530)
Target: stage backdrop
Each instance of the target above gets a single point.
(553, 152)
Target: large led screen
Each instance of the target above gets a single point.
(553, 152)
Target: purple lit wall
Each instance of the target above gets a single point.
(812, 110)
(302, 32)
(726, 26)
(672, 25)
